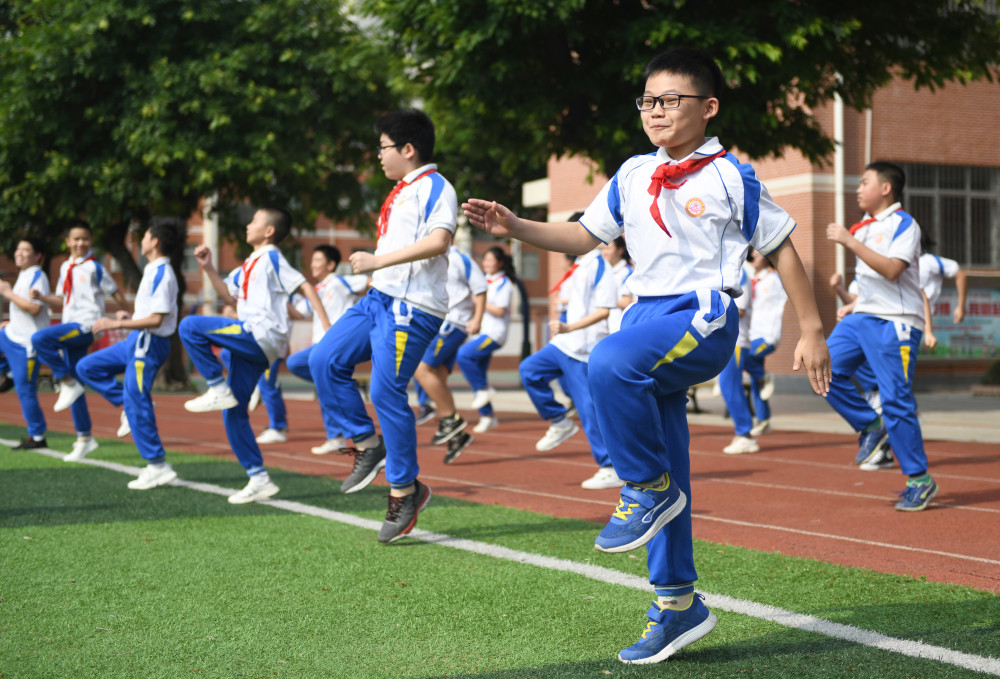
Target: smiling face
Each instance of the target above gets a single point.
(681, 130)
(79, 241)
(25, 255)
(490, 263)
(320, 266)
(874, 195)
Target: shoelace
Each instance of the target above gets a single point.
(357, 453)
(395, 507)
(911, 494)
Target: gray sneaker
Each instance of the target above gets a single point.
(367, 464)
(402, 514)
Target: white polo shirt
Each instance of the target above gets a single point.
(715, 213)
(338, 294)
(499, 292)
(591, 287)
(465, 281)
(933, 271)
(768, 307)
(894, 234)
(622, 271)
(157, 294)
(428, 203)
(744, 303)
(91, 283)
(262, 287)
(23, 325)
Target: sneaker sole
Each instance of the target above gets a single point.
(451, 456)
(361, 485)
(413, 522)
(559, 442)
(655, 527)
(169, 479)
(875, 466)
(483, 430)
(686, 639)
(263, 495)
(435, 441)
(922, 507)
(604, 485)
(425, 420)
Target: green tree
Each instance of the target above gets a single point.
(512, 82)
(120, 110)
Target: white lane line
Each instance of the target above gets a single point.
(808, 623)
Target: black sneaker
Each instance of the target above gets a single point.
(456, 446)
(425, 415)
(6, 383)
(402, 514)
(448, 429)
(881, 459)
(367, 464)
(30, 443)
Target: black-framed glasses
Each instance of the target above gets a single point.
(387, 146)
(666, 101)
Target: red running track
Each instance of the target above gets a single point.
(801, 495)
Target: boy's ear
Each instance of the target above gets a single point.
(711, 108)
(409, 151)
(885, 188)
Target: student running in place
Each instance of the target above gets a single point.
(616, 255)
(768, 300)
(933, 270)
(884, 329)
(28, 315)
(688, 213)
(140, 355)
(474, 356)
(82, 287)
(467, 302)
(259, 289)
(338, 294)
(395, 322)
(731, 378)
(593, 292)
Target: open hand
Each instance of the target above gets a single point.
(491, 217)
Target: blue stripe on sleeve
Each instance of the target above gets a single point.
(615, 201)
(600, 271)
(468, 265)
(34, 279)
(906, 221)
(157, 278)
(939, 263)
(275, 264)
(437, 186)
(751, 195)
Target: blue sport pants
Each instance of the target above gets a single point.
(24, 367)
(61, 347)
(474, 361)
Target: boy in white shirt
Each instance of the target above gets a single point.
(395, 322)
(688, 213)
(885, 329)
(28, 315)
(592, 293)
(82, 287)
(140, 355)
(338, 294)
(259, 290)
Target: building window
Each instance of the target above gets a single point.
(958, 207)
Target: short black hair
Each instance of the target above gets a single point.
(280, 219)
(36, 243)
(892, 173)
(79, 224)
(331, 252)
(692, 63)
(168, 236)
(409, 126)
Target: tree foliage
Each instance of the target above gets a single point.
(119, 110)
(513, 82)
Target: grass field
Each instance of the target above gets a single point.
(100, 581)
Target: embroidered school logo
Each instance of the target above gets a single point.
(695, 207)
(879, 237)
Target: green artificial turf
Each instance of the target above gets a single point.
(100, 581)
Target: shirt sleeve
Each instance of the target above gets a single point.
(441, 204)
(289, 278)
(108, 285)
(905, 244)
(502, 294)
(357, 283)
(773, 224)
(41, 283)
(950, 267)
(163, 297)
(477, 281)
(606, 290)
(603, 217)
(230, 280)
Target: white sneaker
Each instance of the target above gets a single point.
(740, 445)
(482, 397)
(557, 433)
(151, 477)
(254, 400)
(81, 448)
(604, 478)
(124, 429)
(331, 446)
(767, 387)
(874, 399)
(212, 400)
(270, 435)
(68, 393)
(485, 424)
(761, 427)
(253, 491)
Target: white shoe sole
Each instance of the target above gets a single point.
(87, 449)
(331, 446)
(601, 485)
(199, 405)
(543, 445)
(67, 397)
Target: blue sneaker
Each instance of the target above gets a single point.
(640, 515)
(668, 631)
(870, 443)
(917, 496)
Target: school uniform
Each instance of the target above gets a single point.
(338, 294)
(592, 287)
(84, 284)
(392, 325)
(731, 377)
(622, 270)
(474, 356)
(765, 332)
(688, 241)
(933, 271)
(465, 281)
(15, 343)
(261, 287)
(885, 329)
(139, 356)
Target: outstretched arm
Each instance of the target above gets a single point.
(962, 283)
(433, 244)
(495, 219)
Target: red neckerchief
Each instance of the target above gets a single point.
(246, 274)
(569, 272)
(68, 281)
(865, 222)
(383, 215)
(662, 177)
